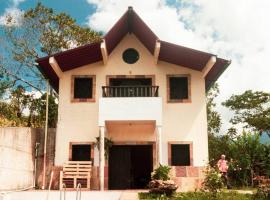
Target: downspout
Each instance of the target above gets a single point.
(45, 137)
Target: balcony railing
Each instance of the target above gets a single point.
(130, 91)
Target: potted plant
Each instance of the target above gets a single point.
(161, 182)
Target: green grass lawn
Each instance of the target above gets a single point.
(198, 196)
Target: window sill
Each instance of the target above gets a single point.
(83, 100)
(179, 101)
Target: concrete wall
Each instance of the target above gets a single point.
(127, 109)
(17, 154)
(16, 158)
(78, 122)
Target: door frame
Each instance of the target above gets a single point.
(136, 143)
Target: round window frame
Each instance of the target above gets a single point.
(128, 57)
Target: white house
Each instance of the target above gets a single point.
(145, 94)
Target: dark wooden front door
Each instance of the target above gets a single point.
(130, 166)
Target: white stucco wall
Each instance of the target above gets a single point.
(78, 122)
(16, 158)
(133, 108)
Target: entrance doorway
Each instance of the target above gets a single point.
(130, 166)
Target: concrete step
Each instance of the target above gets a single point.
(129, 196)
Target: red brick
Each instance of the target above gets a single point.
(192, 172)
(180, 171)
(106, 171)
(106, 183)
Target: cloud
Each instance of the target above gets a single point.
(12, 15)
(236, 30)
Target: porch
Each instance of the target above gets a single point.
(135, 124)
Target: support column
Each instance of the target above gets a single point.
(101, 157)
(159, 144)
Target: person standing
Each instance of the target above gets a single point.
(223, 169)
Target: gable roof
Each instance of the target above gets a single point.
(130, 22)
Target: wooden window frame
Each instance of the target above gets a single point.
(188, 100)
(177, 142)
(81, 143)
(77, 100)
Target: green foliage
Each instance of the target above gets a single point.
(40, 32)
(213, 117)
(144, 195)
(107, 145)
(262, 193)
(212, 181)
(209, 196)
(161, 173)
(251, 108)
(198, 196)
(218, 145)
(246, 155)
(57, 31)
(12, 113)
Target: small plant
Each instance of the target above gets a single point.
(161, 183)
(161, 173)
(263, 193)
(213, 181)
(107, 145)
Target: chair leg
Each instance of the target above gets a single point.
(88, 182)
(61, 180)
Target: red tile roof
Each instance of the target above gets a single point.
(130, 22)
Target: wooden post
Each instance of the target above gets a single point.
(101, 157)
(45, 136)
(61, 180)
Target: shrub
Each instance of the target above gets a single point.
(213, 181)
(263, 193)
(161, 173)
(198, 196)
(161, 183)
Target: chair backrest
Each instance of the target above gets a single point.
(77, 167)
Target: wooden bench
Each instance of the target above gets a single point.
(75, 172)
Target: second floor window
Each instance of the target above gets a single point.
(83, 88)
(178, 88)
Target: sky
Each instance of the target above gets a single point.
(235, 30)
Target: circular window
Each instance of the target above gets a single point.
(130, 56)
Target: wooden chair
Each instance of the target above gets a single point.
(75, 172)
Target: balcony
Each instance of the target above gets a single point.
(119, 104)
(130, 91)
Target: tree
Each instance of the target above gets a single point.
(213, 117)
(216, 143)
(40, 32)
(252, 109)
(248, 154)
(24, 109)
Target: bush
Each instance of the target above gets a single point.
(198, 196)
(263, 193)
(213, 181)
(161, 183)
(161, 173)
